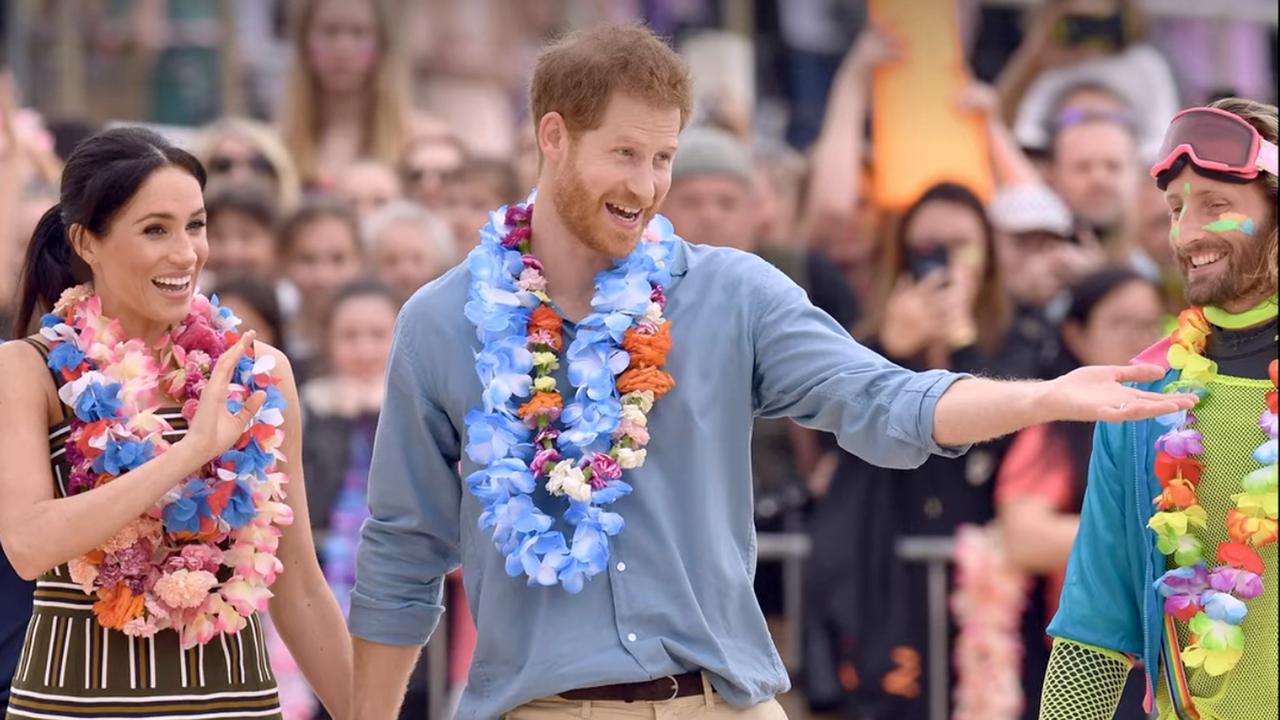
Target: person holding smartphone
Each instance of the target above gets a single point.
(941, 305)
(1096, 42)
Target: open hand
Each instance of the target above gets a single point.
(1095, 394)
(872, 48)
(214, 429)
(980, 98)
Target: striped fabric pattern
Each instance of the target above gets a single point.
(72, 667)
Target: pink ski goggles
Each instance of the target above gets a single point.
(1216, 140)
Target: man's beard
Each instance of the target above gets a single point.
(582, 211)
(1245, 275)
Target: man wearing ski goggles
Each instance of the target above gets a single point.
(1207, 646)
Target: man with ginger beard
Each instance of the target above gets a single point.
(1174, 564)
(596, 378)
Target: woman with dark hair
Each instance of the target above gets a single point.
(167, 436)
(1114, 315)
(940, 304)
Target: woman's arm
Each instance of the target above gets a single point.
(1008, 163)
(28, 509)
(303, 608)
(835, 161)
(1037, 536)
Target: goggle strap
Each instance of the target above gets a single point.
(1267, 157)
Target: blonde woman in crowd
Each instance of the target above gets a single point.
(346, 96)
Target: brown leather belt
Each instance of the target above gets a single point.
(664, 688)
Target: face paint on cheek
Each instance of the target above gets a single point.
(1232, 221)
(1176, 231)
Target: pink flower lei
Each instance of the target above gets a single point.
(202, 559)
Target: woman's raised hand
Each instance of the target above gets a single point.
(214, 429)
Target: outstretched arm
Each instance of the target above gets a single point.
(975, 409)
(835, 160)
(807, 368)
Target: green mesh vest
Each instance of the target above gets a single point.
(1228, 418)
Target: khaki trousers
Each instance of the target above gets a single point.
(708, 705)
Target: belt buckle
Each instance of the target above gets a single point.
(675, 689)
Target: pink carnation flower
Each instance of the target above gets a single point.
(140, 627)
(201, 557)
(604, 469)
(143, 528)
(638, 433)
(184, 588)
(531, 280)
(199, 334)
(83, 573)
(542, 459)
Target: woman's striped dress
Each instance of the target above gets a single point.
(72, 667)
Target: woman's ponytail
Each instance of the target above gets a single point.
(50, 268)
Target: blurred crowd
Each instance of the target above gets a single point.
(370, 139)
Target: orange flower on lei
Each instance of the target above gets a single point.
(545, 326)
(1243, 528)
(648, 350)
(116, 606)
(639, 379)
(542, 403)
(1193, 329)
(1178, 493)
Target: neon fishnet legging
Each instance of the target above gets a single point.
(1083, 682)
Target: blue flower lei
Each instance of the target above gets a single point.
(502, 444)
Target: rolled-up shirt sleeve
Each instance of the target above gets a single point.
(411, 539)
(809, 369)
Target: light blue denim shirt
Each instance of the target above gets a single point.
(678, 594)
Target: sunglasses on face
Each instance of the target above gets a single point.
(415, 175)
(257, 163)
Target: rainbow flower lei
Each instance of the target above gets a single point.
(201, 560)
(1210, 601)
(582, 449)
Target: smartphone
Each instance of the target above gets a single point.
(1087, 30)
(921, 264)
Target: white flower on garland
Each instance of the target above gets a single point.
(546, 361)
(630, 459)
(634, 415)
(642, 399)
(653, 313)
(568, 479)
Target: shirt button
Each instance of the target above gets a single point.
(622, 567)
(631, 637)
